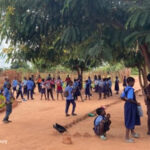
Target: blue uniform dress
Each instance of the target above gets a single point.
(87, 89)
(131, 115)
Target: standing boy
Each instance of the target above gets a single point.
(8, 96)
(14, 85)
(30, 87)
(70, 99)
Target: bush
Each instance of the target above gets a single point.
(134, 71)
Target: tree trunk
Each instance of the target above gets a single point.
(140, 79)
(80, 75)
(146, 54)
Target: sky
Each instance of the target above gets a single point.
(3, 63)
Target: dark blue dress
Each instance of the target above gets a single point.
(131, 115)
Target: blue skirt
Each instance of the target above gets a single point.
(131, 115)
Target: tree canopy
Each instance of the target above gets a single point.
(88, 32)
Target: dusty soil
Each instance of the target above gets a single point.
(32, 127)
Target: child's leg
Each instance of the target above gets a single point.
(21, 95)
(57, 96)
(85, 97)
(28, 94)
(48, 94)
(41, 96)
(17, 95)
(100, 95)
(67, 106)
(74, 106)
(51, 92)
(62, 96)
(127, 134)
(45, 96)
(101, 129)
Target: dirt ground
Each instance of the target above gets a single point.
(32, 126)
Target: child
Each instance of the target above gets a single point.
(132, 117)
(77, 90)
(105, 87)
(49, 88)
(19, 91)
(70, 99)
(117, 85)
(147, 101)
(59, 88)
(124, 82)
(30, 87)
(14, 85)
(100, 87)
(39, 80)
(8, 96)
(25, 86)
(87, 89)
(101, 123)
(109, 86)
(96, 83)
(43, 87)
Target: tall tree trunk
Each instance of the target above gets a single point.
(140, 78)
(80, 75)
(146, 54)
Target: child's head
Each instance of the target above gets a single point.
(148, 77)
(43, 80)
(86, 81)
(130, 81)
(116, 77)
(101, 111)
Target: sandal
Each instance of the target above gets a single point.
(103, 137)
(129, 140)
(136, 135)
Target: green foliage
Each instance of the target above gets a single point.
(134, 71)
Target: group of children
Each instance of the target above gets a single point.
(73, 89)
(132, 112)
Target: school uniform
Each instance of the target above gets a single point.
(109, 86)
(70, 99)
(19, 91)
(25, 87)
(124, 82)
(131, 116)
(8, 96)
(5, 84)
(97, 122)
(14, 84)
(117, 85)
(96, 85)
(49, 89)
(30, 86)
(77, 90)
(105, 89)
(100, 88)
(87, 89)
